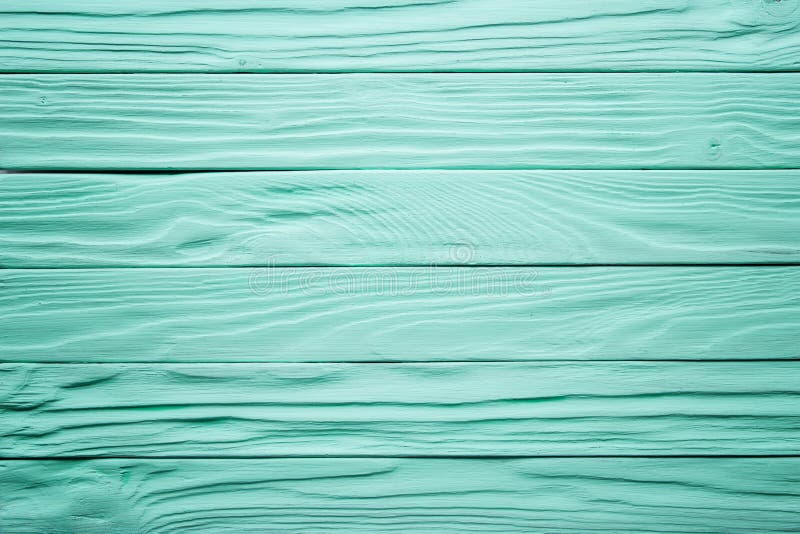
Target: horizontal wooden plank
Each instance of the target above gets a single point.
(512, 409)
(399, 218)
(741, 495)
(394, 314)
(220, 122)
(398, 35)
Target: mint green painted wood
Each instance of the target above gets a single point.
(395, 314)
(522, 409)
(741, 495)
(399, 218)
(399, 35)
(403, 421)
(500, 121)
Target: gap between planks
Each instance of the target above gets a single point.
(389, 72)
(403, 266)
(361, 170)
(497, 457)
(402, 361)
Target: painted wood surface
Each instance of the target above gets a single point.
(498, 121)
(499, 193)
(399, 35)
(395, 314)
(741, 495)
(519, 409)
(399, 218)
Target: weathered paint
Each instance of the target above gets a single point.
(502, 283)
(425, 409)
(399, 35)
(121, 496)
(397, 314)
(400, 121)
(399, 218)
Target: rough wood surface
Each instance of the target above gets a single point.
(741, 495)
(500, 137)
(347, 121)
(399, 218)
(398, 35)
(372, 314)
(521, 409)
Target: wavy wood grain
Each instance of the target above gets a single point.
(222, 122)
(741, 495)
(399, 35)
(399, 218)
(518, 409)
(382, 314)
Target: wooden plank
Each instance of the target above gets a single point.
(511, 409)
(399, 35)
(399, 218)
(499, 121)
(395, 314)
(740, 495)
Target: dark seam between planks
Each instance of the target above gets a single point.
(396, 361)
(190, 170)
(394, 72)
(402, 266)
(390, 456)
(365, 170)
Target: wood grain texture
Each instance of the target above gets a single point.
(399, 218)
(347, 121)
(517, 409)
(395, 314)
(399, 35)
(742, 495)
